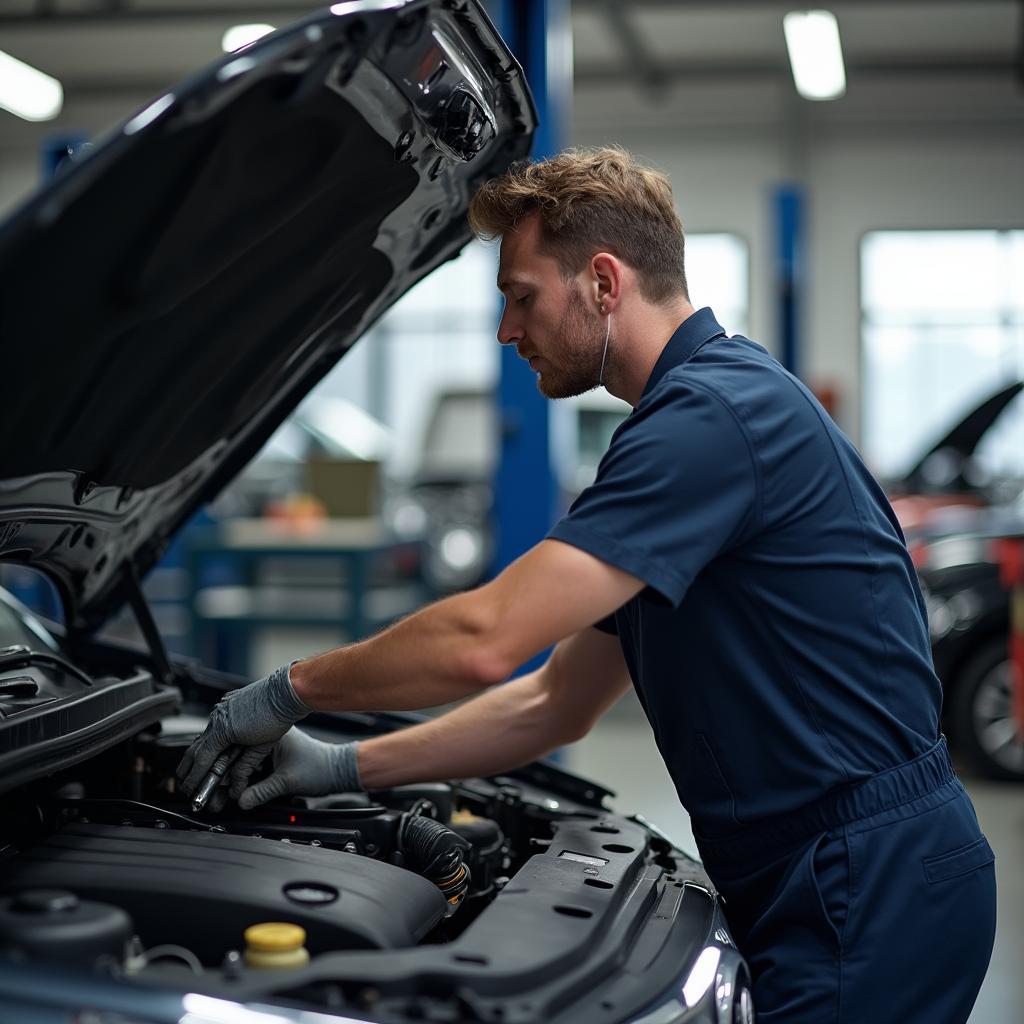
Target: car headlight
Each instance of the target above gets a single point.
(716, 988)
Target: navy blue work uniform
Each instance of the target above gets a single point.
(781, 653)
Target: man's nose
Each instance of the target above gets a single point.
(509, 332)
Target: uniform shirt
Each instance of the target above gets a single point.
(780, 647)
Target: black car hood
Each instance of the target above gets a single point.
(166, 302)
(960, 442)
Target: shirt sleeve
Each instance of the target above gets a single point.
(677, 487)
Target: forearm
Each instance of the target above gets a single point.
(433, 657)
(464, 644)
(504, 728)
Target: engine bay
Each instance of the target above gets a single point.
(385, 870)
(424, 899)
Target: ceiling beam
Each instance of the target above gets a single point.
(93, 88)
(120, 11)
(717, 5)
(958, 65)
(49, 14)
(1020, 45)
(639, 56)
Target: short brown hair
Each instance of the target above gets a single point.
(591, 200)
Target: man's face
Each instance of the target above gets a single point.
(548, 318)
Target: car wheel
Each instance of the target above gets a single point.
(982, 720)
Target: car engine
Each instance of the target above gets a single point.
(471, 898)
(362, 871)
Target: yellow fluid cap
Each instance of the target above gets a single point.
(275, 937)
(464, 817)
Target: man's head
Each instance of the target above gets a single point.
(585, 235)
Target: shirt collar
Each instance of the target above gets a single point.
(696, 330)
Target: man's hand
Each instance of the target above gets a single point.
(306, 766)
(253, 717)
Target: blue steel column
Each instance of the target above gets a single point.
(538, 32)
(789, 273)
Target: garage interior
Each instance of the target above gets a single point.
(873, 241)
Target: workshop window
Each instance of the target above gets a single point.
(717, 275)
(942, 329)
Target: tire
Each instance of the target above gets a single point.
(982, 714)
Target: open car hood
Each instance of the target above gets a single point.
(167, 301)
(958, 445)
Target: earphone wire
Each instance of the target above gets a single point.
(604, 356)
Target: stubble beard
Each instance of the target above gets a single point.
(580, 340)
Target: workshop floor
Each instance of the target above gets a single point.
(620, 753)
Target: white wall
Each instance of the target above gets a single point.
(858, 185)
(902, 153)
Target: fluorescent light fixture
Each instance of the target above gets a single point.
(240, 36)
(815, 54)
(27, 92)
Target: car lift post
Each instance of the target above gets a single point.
(525, 495)
(1011, 571)
(790, 205)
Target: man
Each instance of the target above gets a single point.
(735, 561)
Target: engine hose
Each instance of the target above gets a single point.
(433, 850)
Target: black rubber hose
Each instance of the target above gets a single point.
(433, 850)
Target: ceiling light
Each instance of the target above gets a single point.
(27, 92)
(240, 36)
(815, 54)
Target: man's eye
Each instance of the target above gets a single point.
(522, 299)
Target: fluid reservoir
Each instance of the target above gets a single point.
(53, 924)
(275, 944)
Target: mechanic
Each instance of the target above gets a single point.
(735, 561)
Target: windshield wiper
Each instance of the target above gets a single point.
(19, 656)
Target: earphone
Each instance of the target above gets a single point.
(604, 356)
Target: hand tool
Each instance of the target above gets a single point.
(213, 777)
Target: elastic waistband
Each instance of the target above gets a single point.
(885, 791)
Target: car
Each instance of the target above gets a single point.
(958, 563)
(949, 479)
(166, 301)
(448, 503)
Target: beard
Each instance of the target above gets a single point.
(580, 340)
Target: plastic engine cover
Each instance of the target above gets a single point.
(202, 889)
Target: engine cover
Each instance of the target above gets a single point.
(202, 889)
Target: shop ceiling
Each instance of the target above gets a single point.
(127, 48)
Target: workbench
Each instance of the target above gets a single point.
(225, 616)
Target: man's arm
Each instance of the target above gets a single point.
(499, 730)
(472, 640)
(445, 652)
(507, 726)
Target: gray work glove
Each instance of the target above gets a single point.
(308, 767)
(253, 717)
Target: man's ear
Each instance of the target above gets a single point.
(606, 274)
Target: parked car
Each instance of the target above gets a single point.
(969, 621)
(166, 302)
(448, 503)
(948, 474)
(951, 510)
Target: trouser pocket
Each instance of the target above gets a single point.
(811, 897)
(961, 861)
